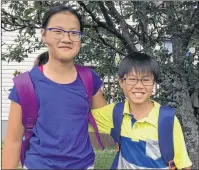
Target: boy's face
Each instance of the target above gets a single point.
(137, 87)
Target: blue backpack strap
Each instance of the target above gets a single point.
(165, 134)
(116, 130)
(87, 80)
(28, 102)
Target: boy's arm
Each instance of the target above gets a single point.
(181, 158)
(104, 118)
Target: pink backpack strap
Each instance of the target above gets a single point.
(87, 79)
(28, 102)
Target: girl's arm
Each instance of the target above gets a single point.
(13, 140)
(98, 100)
(97, 96)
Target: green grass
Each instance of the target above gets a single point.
(103, 159)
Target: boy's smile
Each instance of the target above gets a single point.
(137, 87)
(138, 94)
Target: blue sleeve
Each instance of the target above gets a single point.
(14, 96)
(97, 82)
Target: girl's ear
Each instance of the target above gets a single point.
(43, 37)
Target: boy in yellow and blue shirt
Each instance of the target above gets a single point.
(139, 145)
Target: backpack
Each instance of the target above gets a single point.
(165, 133)
(27, 95)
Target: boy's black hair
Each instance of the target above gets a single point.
(43, 58)
(141, 63)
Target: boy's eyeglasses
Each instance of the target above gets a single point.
(134, 81)
(58, 34)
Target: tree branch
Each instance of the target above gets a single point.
(26, 23)
(12, 16)
(107, 44)
(13, 29)
(101, 24)
(105, 13)
(127, 37)
(188, 33)
(195, 13)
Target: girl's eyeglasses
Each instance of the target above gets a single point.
(58, 34)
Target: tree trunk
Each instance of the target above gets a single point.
(190, 128)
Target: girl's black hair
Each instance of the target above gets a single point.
(141, 63)
(43, 58)
(60, 8)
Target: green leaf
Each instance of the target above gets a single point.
(26, 3)
(29, 11)
(37, 5)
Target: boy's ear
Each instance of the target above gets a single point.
(154, 88)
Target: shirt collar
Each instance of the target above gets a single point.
(152, 118)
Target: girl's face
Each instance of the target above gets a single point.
(62, 47)
(137, 87)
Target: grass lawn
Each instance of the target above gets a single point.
(103, 158)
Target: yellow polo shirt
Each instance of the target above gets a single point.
(139, 139)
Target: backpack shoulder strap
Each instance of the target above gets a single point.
(87, 80)
(27, 98)
(117, 121)
(165, 134)
(28, 102)
(116, 130)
